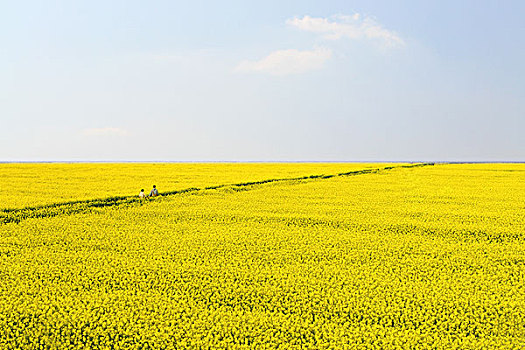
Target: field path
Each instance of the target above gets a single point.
(85, 206)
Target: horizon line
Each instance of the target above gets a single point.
(259, 161)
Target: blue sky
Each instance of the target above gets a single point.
(272, 80)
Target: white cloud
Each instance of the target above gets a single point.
(105, 132)
(283, 62)
(352, 27)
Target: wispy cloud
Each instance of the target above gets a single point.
(352, 27)
(284, 62)
(105, 132)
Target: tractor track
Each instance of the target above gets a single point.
(87, 206)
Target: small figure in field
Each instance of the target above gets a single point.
(154, 192)
(142, 194)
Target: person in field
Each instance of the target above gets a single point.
(154, 192)
(142, 194)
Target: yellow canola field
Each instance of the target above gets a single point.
(26, 184)
(417, 258)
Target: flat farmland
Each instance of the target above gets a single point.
(33, 184)
(324, 256)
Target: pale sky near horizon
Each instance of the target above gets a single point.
(262, 81)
